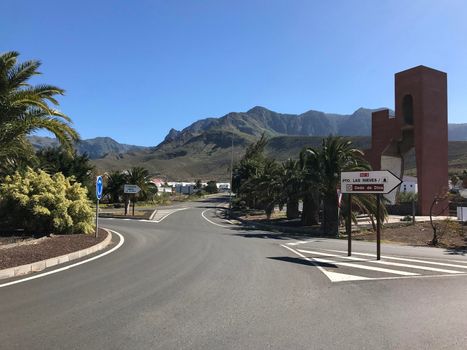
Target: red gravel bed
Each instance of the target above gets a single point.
(46, 248)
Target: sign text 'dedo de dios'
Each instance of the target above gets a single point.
(382, 181)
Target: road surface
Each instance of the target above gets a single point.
(196, 281)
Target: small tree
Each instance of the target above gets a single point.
(211, 187)
(139, 176)
(269, 187)
(58, 160)
(114, 186)
(42, 203)
(291, 175)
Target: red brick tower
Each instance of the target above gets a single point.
(420, 121)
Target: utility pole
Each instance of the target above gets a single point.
(231, 176)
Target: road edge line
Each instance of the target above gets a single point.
(212, 222)
(120, 243)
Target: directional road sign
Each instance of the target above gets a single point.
(382, 181)
(99, 187)
(131, 189)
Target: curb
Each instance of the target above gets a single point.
(43, 264)
(275, 228)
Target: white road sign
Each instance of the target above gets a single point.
(131, 189)
(382, 181)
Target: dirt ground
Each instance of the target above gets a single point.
(26, 251)
(451, 234)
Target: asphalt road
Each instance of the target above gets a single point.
(190, 283)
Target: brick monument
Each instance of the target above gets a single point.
(420, 122)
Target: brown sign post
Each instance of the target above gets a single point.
(377, 182)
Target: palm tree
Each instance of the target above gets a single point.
(311, 179)
(335, 156)
(247, 171)
(268, 187)
(292, 177)
(114, 185)
(25, 108)
(139, 176)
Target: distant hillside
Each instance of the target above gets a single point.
(257, 120)
(203, 149)
(203, 160)
(312, 123)
(95, 148)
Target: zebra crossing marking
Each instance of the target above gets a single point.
(336, 259)
(410, 259)
(383, 262)
(333, 276)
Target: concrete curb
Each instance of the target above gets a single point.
(153, 214)
(297, 231)
(43, 264)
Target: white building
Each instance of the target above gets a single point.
(409, 184)
(183, 187)
(162, 187)
(223, 186)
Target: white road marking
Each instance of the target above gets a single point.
(333, 276)
(297, 243)
(333, 255)
(340, 277)
(212, 222)
(411, 266)
(365, 267)
(170, 212)
(417, 267)
(409, 259)
(122, 239)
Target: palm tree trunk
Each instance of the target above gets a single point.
(127, 204)
(292, 208)
(269, 210)
(331, 219)
(310, 213)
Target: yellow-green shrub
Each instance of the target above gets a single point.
(41, 203)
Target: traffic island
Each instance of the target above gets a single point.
(452, 235)
(27, 256)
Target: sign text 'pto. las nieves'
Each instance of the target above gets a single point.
(382, 181)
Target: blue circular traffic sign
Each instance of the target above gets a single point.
(99, 187)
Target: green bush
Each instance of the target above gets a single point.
(38, 202)
(407, 197)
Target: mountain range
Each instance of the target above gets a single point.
(203, 149)
(95, 148)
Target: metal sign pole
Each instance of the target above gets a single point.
(348, 224)
(97, 218)
(99, 189)
(378, 227)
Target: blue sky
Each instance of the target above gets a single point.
(134, 69)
